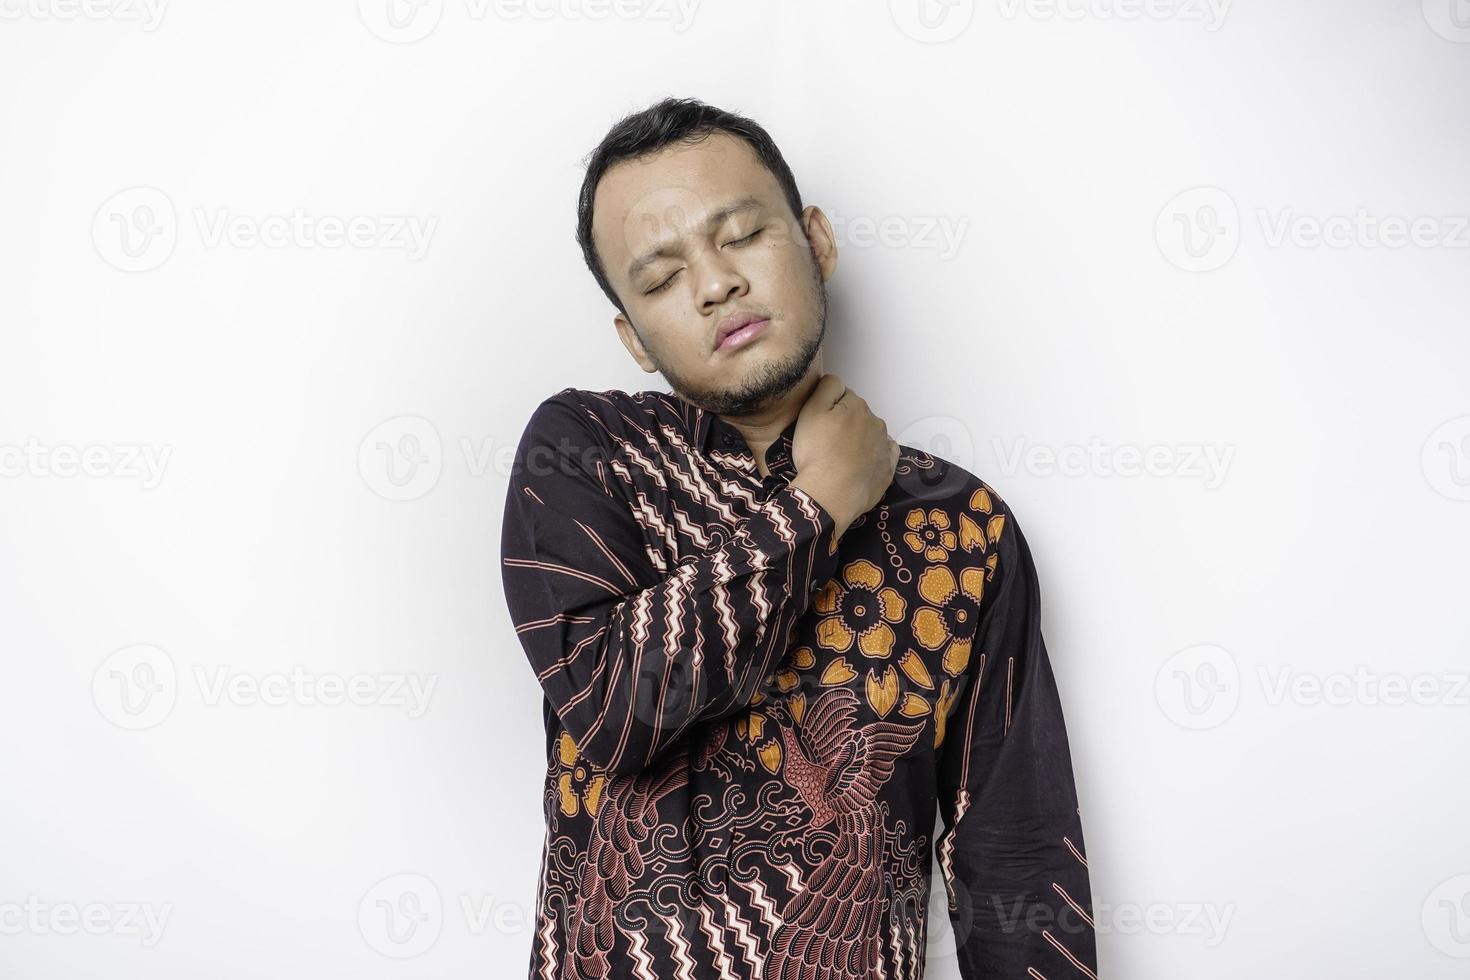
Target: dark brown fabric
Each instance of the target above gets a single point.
(751, 726)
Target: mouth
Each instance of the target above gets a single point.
(739, 330)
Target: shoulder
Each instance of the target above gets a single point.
(611, 420)
(934, 495)
(924, 478)
(610, 410)
(584, 414)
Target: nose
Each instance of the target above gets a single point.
(719, 282)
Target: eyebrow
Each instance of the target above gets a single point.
(716, 219)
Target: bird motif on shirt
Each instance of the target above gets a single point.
(830, 928)
(616, 857)
(716, 753)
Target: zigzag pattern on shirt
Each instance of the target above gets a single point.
(744, 939)
(685, 962)
(715, 934)
(641, 957)
(762, 901)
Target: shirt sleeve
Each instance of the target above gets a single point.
(630, 654)
(1011, 852)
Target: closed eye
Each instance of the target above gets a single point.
(670, 281)
(663, 285)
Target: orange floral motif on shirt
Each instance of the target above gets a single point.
(859, 608)
(929, 535)
(953, 614)
(941, 711)
(577, 787)
(973, 535)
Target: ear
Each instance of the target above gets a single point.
(629, 336)
(821, 239)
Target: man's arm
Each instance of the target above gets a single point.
(1012, 853)
(629, 655)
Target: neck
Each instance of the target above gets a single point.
(764, 426)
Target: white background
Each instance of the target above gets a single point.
(330, 426)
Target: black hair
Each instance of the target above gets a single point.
(649, 130)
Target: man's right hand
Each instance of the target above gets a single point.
(842, 452)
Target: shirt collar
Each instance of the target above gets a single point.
(714, 434)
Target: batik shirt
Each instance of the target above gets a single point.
(751, 723)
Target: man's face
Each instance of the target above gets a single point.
(694, 234)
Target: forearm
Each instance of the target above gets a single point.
(631, 674)
(1012, 855)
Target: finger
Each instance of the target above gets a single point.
(829, 391)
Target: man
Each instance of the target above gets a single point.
(772, 641)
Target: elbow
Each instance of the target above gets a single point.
(604, 750)
(607, 759)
